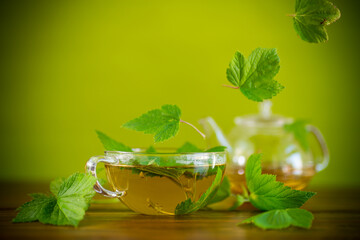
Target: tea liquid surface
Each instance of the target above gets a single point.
(157, 194)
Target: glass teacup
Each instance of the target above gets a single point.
(161, 183)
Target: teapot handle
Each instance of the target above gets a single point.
(320, 164)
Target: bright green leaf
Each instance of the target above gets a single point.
(189, 206)
(311, 17)
(239, 201)
(266, 193)
(111, 144)
(216, 149)
(78, 185)
(223, 192)
(264, 64)
(261, 89)
(151, 149)
(187, 148)
(31, 211)
(283, 218)
(237, 70)
(66, 207)
(254, 76)
(55, 185)
(253, 169)
(163, 122)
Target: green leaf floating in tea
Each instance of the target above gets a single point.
(66, 207)
(223, 192)
(255, 76)
(189, 206)
(163, 171)
(266, 193)
(311, 17)
(282, 218)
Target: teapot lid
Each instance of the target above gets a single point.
(265, 118)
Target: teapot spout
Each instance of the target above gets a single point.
(214, 134)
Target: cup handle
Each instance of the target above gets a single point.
(320, 164)
(91, 168)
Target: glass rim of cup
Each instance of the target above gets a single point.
(169, 151)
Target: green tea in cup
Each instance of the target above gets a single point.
(161, 183)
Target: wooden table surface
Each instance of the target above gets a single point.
(337, 216)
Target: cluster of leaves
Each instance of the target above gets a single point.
(311, 17)
(152, 166)
(66, 205)
(255, 76)
(112, 145)
(267, 194)
(71, 197)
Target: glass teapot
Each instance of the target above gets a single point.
(282, 153)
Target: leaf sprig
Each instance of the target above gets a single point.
(164, 123)
(280, 202)
(66, 205)
(268, 194)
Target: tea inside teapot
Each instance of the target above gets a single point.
(283, 154)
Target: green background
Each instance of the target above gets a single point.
(70, 67)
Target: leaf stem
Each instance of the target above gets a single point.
(245, 192)
(291, 15)
(182, 188)
(233, 87)
(203, 135)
